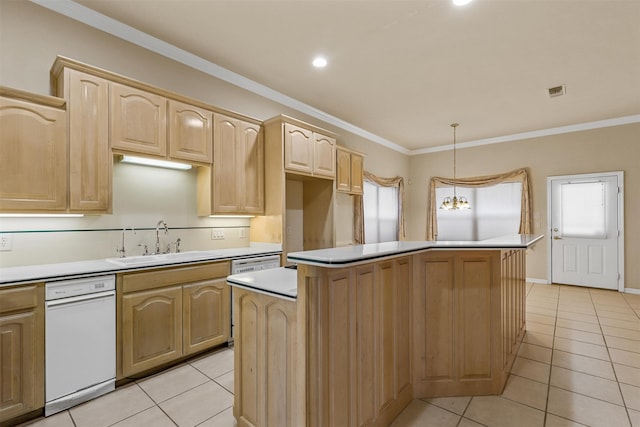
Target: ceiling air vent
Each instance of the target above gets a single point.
(556, 91)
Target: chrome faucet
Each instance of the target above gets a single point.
(122, 250)
(162, 224)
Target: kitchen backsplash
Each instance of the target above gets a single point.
(142, 196)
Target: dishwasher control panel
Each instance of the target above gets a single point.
(77, 287)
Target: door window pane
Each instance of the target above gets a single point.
(583, 210)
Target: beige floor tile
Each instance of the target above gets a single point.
(585, 409)
(456, 405)
(586, 308)
(226, 381)
(539, 318)
(61, 419)
(579, 317)
(223, 419)
(576, 335)
(543, 303)
(172, 382)
(581, 326)
(129, 400)
(587, 365)
(599, 301)
(527, 392)
(625, 324)
(635, 417)
(531, 369)
(535, 352)
(151, 417)
(540, 327)
(497, 411)
(543, 311)
(582, 348)
(538, 338)
(215, 364)
(627, 374)
(589, 385)
(631, 396)
(420, 413)
(466, 422)
(556, 421)
(198, 404)
(623, 344)
(629, 334)
(627, 315)
(624, 357)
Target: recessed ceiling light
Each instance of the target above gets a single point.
(319, 62)
(461, 2)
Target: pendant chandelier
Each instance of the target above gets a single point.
(454, 203)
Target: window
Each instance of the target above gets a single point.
(380, 213)
(495, 211)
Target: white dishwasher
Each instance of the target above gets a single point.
(80, 341)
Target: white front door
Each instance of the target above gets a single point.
(586, 229)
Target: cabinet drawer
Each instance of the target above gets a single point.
(173, 276)
(20, 298)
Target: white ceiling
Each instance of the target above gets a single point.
(404, 70)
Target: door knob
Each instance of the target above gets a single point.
(557, 238)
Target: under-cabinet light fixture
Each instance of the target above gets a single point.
(231, 216)
(39, 215)
(155, 163)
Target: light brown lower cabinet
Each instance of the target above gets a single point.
(167, 314)
(21, 350)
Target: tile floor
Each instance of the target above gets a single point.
(579, 365)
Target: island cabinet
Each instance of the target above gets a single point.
(22, 349)
(166, 314)
(146, 123)
(90, 159)
(33, 152)
(349, 171)
(235, 184)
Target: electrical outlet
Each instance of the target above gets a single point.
(5, 242)
(217, 234)
(243, 233)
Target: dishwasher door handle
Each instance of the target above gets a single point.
(89, 297)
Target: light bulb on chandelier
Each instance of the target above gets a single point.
(456, 202)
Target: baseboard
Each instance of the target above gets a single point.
(538, 281)
(633, 291)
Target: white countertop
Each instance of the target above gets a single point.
(279, 282)
(351, 255)
(70, 270)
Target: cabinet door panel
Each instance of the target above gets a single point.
(207, 315)
(225, 165)
(357, 174)
(343, 171)
(190, 132)
(324, 156)
(298, 149)
(90, 158)
(33, 157)
(252, 158)
(152, 329)
(138, 121)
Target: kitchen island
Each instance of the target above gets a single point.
(373, 326)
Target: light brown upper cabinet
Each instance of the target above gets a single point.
(236, 183)
(33, 152)
(308, 152)
(349, 171)
(140, 119)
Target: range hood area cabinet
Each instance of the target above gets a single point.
(235, 184)
(33, 152)
(298, 204)
(146, 123)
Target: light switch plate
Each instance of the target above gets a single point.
(217, 234)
